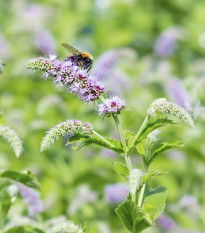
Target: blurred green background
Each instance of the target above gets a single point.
(164, 57)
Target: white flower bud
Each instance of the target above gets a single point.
(67, 227)
(135, 180)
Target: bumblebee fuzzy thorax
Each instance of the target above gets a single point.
(86, 54)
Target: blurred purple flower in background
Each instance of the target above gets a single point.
(105, 64)
(187, 200)
(115, 193)
(43, 40)
(34, 15)
(166, 222)
(84, 195)
(31, 198)
(166, 43)
(177, 92)
(108, 153)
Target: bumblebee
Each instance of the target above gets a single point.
(82, 59)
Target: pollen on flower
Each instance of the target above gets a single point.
(69, 127)
(74, 78)
(163, 106)
(110, 106)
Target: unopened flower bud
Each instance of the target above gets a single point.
(135, 180)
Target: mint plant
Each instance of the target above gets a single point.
(143, 205)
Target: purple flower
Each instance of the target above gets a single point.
(115, 193)
(167, 41)
(110, 106)
(31, 198)
(74, 78)
(166, 222)
(177, 92)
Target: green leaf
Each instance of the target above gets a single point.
(154, 203)
(121, 169)
(133, 217)
(148, 128)
(82, 144)
(129, 136)
(163, 147)
(5, 205)
(140, 148)
(24, 229)
(150, 175)
(2, 119)
(97, 139)
(151, 126)
(84, 227)
(26, 177)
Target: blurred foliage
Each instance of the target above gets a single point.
(33, 28)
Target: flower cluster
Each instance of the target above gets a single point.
(115, 193)
(135, 180)
(12, 138)
(69, 127)
(110, 106)
(31, 197)
(67, 227)
(162, 106)
(66, 73)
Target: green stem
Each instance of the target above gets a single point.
(127, 158)
(102, 138)
(139, 132)
(144, 185)
(128, 162)
(141, 195)
(116, 119)
(103, 99)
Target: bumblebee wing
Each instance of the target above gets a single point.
(70, 49)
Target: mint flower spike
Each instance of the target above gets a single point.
(12, 138)
(74, 78)
(69, 127)
(163, 106)
(135, 180)
(67, 227)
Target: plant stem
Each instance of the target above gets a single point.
(103, 99)
(139, 132)
(102, 138)
(144, 185)
(116, 119)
